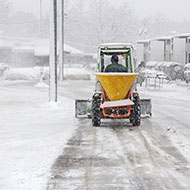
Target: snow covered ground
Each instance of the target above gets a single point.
(116, 155)
(171, 108)
(178, 90)
(33, 133)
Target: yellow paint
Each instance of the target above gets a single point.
(116, 85)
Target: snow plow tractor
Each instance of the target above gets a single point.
(115, 93)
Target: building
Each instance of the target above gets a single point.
(29, 53)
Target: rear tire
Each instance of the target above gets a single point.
(135, 117)
(96, 116)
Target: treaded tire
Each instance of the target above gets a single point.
(135, 117)
(96, 116)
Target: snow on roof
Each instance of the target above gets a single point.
(72, 50)
(42, 49)
(184, 35)
(163, 38)
(115, 51)
(39, 46)
(23, 48)
(116, 45)
(143, 41)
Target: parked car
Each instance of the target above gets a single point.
(3, 68)
(172, 70)
(187, 72)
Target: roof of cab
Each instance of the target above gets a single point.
(116, 45)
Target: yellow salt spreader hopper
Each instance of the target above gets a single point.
(116, 85)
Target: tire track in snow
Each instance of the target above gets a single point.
(71, 167)
(154, 178)
(169, 158)
(119, 169)
(89, 172)
(113, 156)
(127, 141)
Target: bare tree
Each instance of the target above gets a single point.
(23, 24)
(4, 10)
(4, 13)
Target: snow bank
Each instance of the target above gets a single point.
(23, 74)
(151, 64)
(32, 134)
(41, 85)
(35, 73)
(177, 90)
(77, 74)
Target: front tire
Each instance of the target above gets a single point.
(135, 117)
(96, 118)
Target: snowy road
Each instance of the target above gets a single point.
(33, 133)
(116, 155)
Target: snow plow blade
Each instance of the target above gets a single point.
(146, 107)
(83, 108)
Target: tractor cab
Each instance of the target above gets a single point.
(105, 51)
(123, 51)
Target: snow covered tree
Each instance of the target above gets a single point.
(4, 13)
(23, 24)
(89, 23)
(111, 23)
(4, 10)
(154, 26)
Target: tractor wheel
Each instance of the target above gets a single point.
(96, 116)
(135, 118)
(131, 117)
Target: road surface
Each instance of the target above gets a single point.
(154, 156)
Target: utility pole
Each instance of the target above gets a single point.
(41, 17)
(61, 40)
(53, 52)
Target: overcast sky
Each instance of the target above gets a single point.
(172, 9)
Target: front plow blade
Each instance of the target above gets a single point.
(146, 107)
(83, 108)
